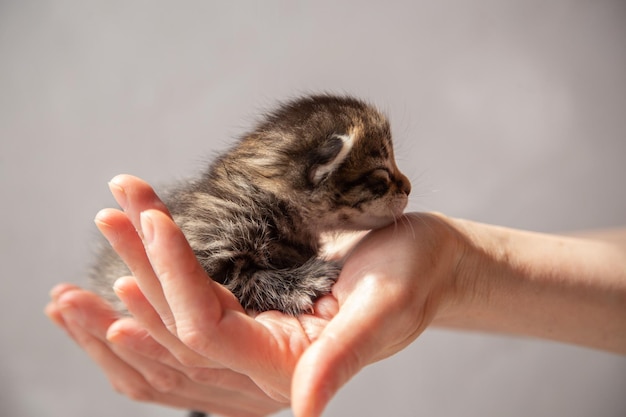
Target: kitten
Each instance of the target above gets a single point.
(316, 164)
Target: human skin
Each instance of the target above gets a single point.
(190, 344)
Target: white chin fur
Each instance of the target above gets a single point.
(376, 217)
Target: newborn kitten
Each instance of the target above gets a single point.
(254, 217)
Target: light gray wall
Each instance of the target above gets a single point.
(509, 112)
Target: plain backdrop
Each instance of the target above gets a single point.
(507, 112)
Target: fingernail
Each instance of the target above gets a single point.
(118, 193)
(58, 290)
(53, 314)
(118, 285)
(147, 227)
(105, 228)
(72, 314)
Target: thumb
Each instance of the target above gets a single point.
(382, 309)
(346, 345)
(321, 371)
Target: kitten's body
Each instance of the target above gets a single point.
(254, 218)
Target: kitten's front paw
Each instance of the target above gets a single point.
(309, 282)
(291, 291)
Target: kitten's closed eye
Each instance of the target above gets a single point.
(378, 181)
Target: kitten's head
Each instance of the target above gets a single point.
(333, 158)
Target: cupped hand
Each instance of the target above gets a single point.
(393, 283)
(142, 369)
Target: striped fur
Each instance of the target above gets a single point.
(254, 217)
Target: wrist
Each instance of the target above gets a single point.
(461, 287)
(498, 270)
(538, 285)
(447, 244)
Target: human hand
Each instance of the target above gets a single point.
(388, 292)
(140, 368)
(394, 283)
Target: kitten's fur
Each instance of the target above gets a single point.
(254, 218)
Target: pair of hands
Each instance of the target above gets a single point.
(189, 343)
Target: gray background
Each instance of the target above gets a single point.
(505, 112)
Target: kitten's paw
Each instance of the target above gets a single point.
(291, 291)
(313, 280)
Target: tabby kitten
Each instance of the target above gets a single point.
(254, 217)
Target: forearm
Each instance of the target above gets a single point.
(567, 289)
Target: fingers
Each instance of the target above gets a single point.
(183, 280)
(125, 238)
(128, 334)
(208, 318)
(149, 305)
(175, 386)
(87, 319)
(153, 310)
(142, 310)
(135, 195)
(125, 234)
(52, 310)
(69, 307)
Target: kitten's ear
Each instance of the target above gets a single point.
(329, 156)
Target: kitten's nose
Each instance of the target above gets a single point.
(404, 184)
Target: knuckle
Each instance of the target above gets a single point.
(134, 391)
(187, 359)
(164, 381)
(195, 340)
(169, 321)
(205, 376)
(141, 395)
